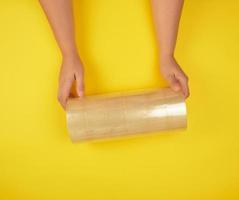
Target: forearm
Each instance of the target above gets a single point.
(166, 15)
(60, 17)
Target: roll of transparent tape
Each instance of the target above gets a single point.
(125, 113)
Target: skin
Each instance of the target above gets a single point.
(60, 16)
(166, 15)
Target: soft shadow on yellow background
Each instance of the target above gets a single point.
(116, 41)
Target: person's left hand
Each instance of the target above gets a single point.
(175, 76)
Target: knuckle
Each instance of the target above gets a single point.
(184, 79)
(79, 74)
(60, 97)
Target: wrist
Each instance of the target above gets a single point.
(166, 59)
(69, 55)
(69, 50)
(166, 56)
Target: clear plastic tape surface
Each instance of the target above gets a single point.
(125, 113)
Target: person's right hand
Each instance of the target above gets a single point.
(71, 71)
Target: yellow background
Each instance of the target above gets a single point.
(116, 41)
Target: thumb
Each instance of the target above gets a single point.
(80, 85)
(174, 83)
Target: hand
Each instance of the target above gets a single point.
(173, 73)
(71, 72)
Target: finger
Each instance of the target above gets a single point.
(174, 84)
(184, 84)
(60, 100)
(64, 92)
(80, 84)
